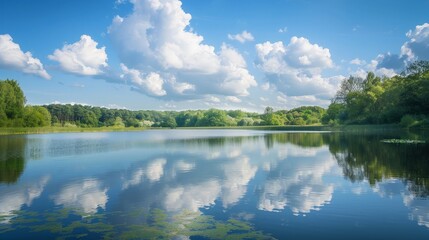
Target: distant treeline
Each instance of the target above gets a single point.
(88, 116)
(14, 113)
(401, 99)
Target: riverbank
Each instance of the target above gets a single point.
(41, 130)
(345, 128)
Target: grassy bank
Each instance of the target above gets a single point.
(345, 128)
(39, 130)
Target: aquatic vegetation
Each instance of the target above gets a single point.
(154, 224)
(402, 141)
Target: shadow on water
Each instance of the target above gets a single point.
(12, 158)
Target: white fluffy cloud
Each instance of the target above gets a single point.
(296, 69)
(152, 83)
(242, 37)
(233, 99)
(358, 62)
(82, 57)
(416, 48)
(12, 57)
(156, 38)
(418, 45)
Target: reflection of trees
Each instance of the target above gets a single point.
(364, 156)
(302, 139)
(211, 141)
(12, 161)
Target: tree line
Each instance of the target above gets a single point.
(401, 99)
(90, 116)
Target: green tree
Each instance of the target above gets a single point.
(169, 122)
(274, 119)
(12, 101)
(213, 117)
(118, 122)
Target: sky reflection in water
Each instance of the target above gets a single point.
(278, 182)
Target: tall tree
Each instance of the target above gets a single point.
(12, 101)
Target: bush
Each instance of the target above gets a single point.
(408, 121)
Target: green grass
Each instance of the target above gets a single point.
(56, 129)
(39, 130)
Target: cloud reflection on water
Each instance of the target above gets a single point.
(14, 198)
(87, 196)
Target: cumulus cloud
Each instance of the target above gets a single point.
(233, 99)
(416, 48)
(156, 38)
(281, 99)
(242, 37)
(358, 62)
(391, 61)
(265, 86)
(418, 45)
(12, 57)
(82, 57)
(152, 83)
(296, 69)
(212, 99)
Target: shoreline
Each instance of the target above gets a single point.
(341, 128)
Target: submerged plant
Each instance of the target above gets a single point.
(138, 224)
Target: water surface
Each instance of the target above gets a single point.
(213, 184)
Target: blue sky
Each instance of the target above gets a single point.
(189, 54)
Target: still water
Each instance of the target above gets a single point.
(213, 184)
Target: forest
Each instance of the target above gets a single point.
(402, 99)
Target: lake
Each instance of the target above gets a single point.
(214, 184)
